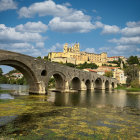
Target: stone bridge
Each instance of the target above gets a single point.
(38, 73)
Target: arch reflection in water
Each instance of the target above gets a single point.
(97, 98)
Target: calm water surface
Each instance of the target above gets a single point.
(84, 115)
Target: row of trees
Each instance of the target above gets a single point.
(82, 66)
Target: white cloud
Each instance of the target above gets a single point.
(40, 44)
(108, 29)
(24, 48)
(124, 50)
(32, 27)
(133, 24)
(99, 24)
(57, 24)
(45, 8)
(67, 4)
(8, 34)
(65, 19)
(126, 40)
(56, 48)
(29, 43)
(7, 4)
(132, 29)
(77, 16)
(90, 50)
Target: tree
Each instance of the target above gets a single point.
(46, 58)
(87, 65)
(39, 57)
(1, 72)
(133, 60)
(135, 84)
(132, 73)
(108, 74)
(70, 65)
(3, 79)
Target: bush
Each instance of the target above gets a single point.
(135, 84)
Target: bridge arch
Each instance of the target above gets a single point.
(106, 84)
(98, 83)
(75, 84)
(59, 78)
(113, 85)
(88, 84)
(25, 70)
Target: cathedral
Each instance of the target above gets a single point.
(75, 56)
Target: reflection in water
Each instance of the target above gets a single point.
(6, 96)
(97, 114)
(16, 89)
(96, 97)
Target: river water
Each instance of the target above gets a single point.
(97, 114)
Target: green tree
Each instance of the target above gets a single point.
(46, 58)
(3, 78)
(39, 57)
(70, 65)
(108, 74)
(87, 65)
(132, 73)
(135, 83)
(133, 60)
(1, 72)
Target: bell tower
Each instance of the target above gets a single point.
(65, 49)
(77, 47)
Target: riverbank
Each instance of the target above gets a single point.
(2, 91)
(129, 89)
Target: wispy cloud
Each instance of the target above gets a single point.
(34, 27)
(7, 5)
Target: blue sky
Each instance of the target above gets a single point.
(37, 27)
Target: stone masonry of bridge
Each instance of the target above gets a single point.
(38, 73)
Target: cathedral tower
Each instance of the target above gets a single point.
(65, 49)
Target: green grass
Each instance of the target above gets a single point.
(4, 91)
(128, 89)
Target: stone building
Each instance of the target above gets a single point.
(116, 58)
(116, 71)
(75, 56)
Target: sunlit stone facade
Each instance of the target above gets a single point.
(75, 56)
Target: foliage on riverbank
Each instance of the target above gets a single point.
(128, 88)
(4, 91)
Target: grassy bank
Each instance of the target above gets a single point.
(128, 88)
(4, 91)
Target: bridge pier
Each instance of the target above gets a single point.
(103, 86)
(37, 88)
(66, 87)
(92, 86)
(110, 86)
(83, 86)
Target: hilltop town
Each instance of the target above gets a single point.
(73, 55)
(105, 64)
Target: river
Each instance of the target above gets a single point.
(97, 114)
